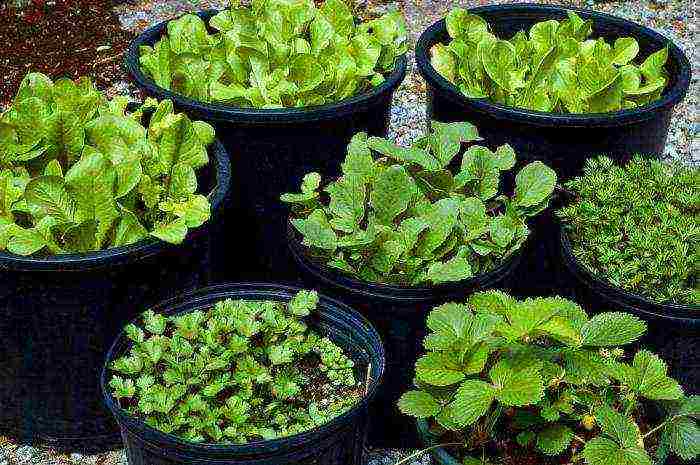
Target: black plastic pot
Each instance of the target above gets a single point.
(59, 314)
(673, 330)
(339, 442)
(271, 150)
(399, 315)
(563, 141)
(429, 440)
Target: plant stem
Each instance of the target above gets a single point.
(654, 430)
(421, 452)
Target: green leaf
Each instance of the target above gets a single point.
(533, 184)
(442, 59)
(554, 440)
(448, 138)
(317, 231)
(128, 230)
(625, 50)
(502, 230)
(441, 219)
(183, 180)
(50, 197)
(517, 386)
(413, 155)
(25, 241)
(358, 161)
(393, 190)
(691, 407)
(493, 302)
(438, 369)
(602, 451)
(647, 377)
(347, 202)
(612, 329)
(303, 303)
(195, 211)
(619, 427)
(173, 232)
(455, 269)
(505, 157)
(474, 218)
(463, 25)
(652, 67)
(306, 72)
(339, 15)
(480, 170)
(499, 62)
(418, 404)
(472, 400)
(448, 323)
(64, 136)
(684, 438)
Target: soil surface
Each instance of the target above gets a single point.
(61, 38)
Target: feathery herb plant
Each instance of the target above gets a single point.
(638, 226)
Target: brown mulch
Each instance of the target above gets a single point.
(61, 38)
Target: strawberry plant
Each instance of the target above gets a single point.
(539, 381)
(79, 173)
(241, 371)
(404, 215)
(276, 53)
(554, 67)
(638, 226)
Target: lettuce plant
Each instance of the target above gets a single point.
(638, 226)
(539, 381)
(406, 216)
(79, 173)
(555, 67)
(276, 53)
(241, 371)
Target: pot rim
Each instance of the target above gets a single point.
(133, 252)
(395, 292)
(669, 99)
(627, 299)
(203, 298)
(251, 116)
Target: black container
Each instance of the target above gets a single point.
(59, 314)
(673, 330)
(398, 313)
(430, 440)
(563, 141)
(339, 442)
(271, 150)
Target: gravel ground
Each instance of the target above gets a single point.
(675, 19)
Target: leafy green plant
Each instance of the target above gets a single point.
(400, 215)
(241, 371)
(556, 67)
(79, 173)
(276, 53)
(638, 226)
(539, 380)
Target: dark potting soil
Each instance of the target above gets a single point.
(60, 38)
